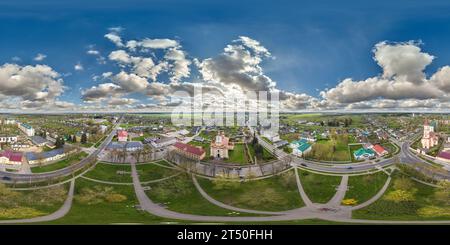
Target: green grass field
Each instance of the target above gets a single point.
(29, 204)
(319, 188)
(179, 194)
(109, 172)
(237, 155)
(105, 212)
(363, 187)
(72, 159)
(414, 201)
(149, 172)
(276, 193)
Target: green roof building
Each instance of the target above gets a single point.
(363, 153)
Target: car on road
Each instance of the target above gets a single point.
(350, 167)
(6, 178)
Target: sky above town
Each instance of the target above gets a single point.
(137, 55)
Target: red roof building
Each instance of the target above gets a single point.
(444, 155)
(379, 150)
(10, 157)
(193, 152)
(122, 135)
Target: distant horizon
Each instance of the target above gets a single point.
(139, 55)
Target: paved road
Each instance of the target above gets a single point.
(339, 168)
(61, 212)
(28, 178)
(405, 156)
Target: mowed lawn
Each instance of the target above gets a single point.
(179, 194)
(103, 211)
(363, 187)
(150, 171)
(71, 159)
(237, 155)
(319, 188)
(277, 193)
(415, 202)
(111, 172)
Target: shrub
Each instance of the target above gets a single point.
(288, 180)
(403, 183)
(434, 211)
(400, 196)
(19, 213)
(115, 197)
(349, 202)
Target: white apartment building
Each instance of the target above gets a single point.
(26, 128)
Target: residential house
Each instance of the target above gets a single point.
(379, 150)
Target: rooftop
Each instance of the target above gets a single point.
(189, 148)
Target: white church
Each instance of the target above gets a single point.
(430, 138)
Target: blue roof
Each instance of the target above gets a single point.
(37, 140)
(120, 145)
(304, 147)
(43, 155)
(300, 142)
(26, 125)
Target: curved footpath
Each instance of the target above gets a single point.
(374, 198)
(226, 206)
(61, 212)
(319, 211)
(336, 200)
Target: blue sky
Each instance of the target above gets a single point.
(314, 45)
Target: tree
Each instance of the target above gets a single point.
(83, 138)
(443, 193)
(59, 142)
(403, 184)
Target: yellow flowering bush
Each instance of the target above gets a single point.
(349, 201)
